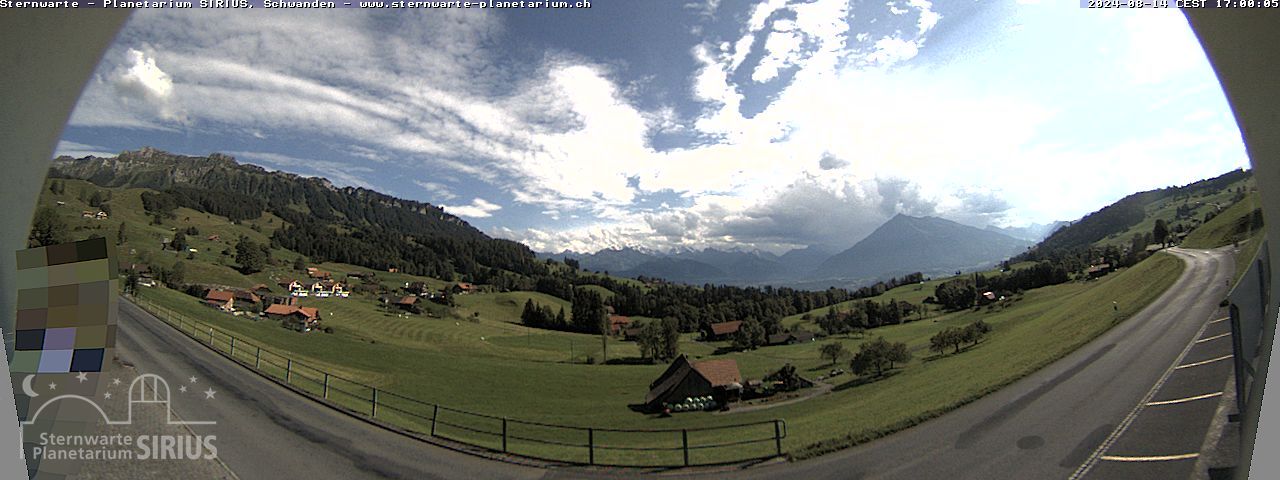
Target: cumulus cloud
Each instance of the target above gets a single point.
(830, 162)
(141, 78)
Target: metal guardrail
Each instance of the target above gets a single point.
(543, 441)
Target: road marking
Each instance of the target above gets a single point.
(1215, 337)
(1206, 362)
(1133, 414)
(1223, 319)
(1163, 458)
(1184, 400)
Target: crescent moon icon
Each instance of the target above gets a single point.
(26, 387)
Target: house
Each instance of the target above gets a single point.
(632, 334)
(1098, 270)
(260, 288)
(220, 299)
(790, 338)
(463, 288)
(302, 319)
(989, 296)
(722, 330)
(408, 302)
(86, 214)
(712, 382)
(294, 287)
(328, 288)
(246, 300)
(617, 324)
(417, 288)
(367, 276)
(100, 215)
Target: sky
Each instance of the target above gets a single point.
(770, 125)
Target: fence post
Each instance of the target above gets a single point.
(684, 438)
(326, 385)
(374, 411)
(233, 348)
(591, 446)
(211, 337)
(435, 413)
(257, 359)
(288, 370)
(504, 434)
(777, 436)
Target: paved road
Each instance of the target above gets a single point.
(267, 432)
(1045, 426)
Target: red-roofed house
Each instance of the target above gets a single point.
(463, 287)
(688, 383)
(302, 319)
(220, 299)
(722, 330)
(246, 300)
(618, 324)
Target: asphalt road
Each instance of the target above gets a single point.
(1080, 411)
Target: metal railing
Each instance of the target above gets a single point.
(543, 441)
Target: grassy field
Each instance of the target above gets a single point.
(477, 357)
(1167, 209)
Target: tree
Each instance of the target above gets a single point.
(877, 356)
(96, 199)
(949, 337)
(1160, 233)
(834, 351)
(176, 276)
(121, 236)
(749, 335)
(250, 255)
(299, 263)
(47, 228)
(131, 281)
(179, 242)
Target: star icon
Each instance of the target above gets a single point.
(115, 381)
(193, 379)
(208, 394)
(182, 388)
(107, 395)
(53, 386)
(82, 377)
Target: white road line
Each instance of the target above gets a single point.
(1223, 319)
(1184, 400)
(1215, 337)
(1206, 362)
(1163, 458)
(1133, 414)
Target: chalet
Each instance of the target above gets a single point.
(632, 333)
(618, 323)
(294, 287)
(220, 299)
(246, 300)
(1099, 270)
(141, 269)
(417, 288)
(100, 216)
(717, 380)
(260, 288)
(722, 330)
(790, 338)
(302, 319)
(463, 288)
(407, 302)
(328, 288)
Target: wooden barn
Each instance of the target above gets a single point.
(718, 379)
(721, 331)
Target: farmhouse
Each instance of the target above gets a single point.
(722, 330)
(417, 288)
(618, 323)
(294, 287)
(790, 338)
(1098, 270)
(302, 319)
(463, 288)
(246, 300)
(328, 288)
(407, 302)
(684, 380)
(260, 288)
(220, 299)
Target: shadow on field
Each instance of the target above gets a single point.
(860, 381)
(628, 361)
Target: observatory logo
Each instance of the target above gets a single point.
(147, 393)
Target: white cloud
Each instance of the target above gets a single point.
(437, 190)
(341, 173)
(80, 150)
(479, 208)
(143, 79)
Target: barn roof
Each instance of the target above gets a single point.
(219, 295)
(725, 328)
(720, 373)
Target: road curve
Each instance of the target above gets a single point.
(1044, 426)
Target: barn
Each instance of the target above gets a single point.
(718, 379)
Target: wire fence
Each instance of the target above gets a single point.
(724, 444)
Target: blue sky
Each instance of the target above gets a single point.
(768, 124)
